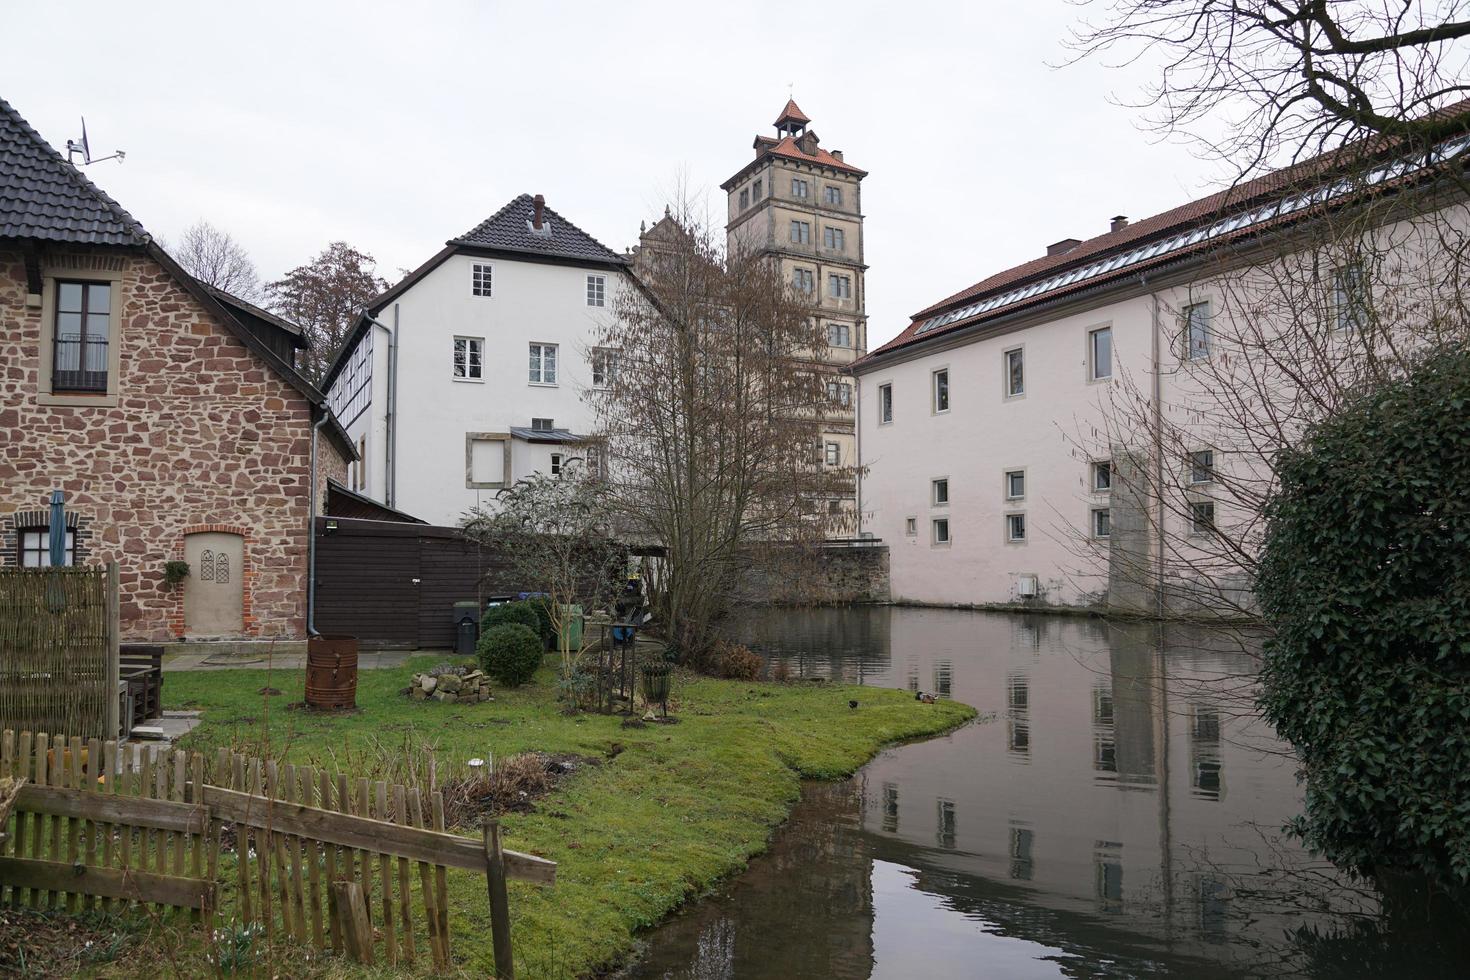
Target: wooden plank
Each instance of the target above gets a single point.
(136, 811)
(25, 763)
(505, 967)
(73, 781)
(91, 784)
(145, 791)
(176, 793)
(426, 885)
(278, 847)
(263, 849)
(8, 770)
(114, 660)
(363, 810)
(385, 874)
(236, 779)
(109, 788)
(135, 886)
(293, 855)
(38, 821)
(441, 884)
(412, 843)
(352, 911)
(405, 891)
(56, 771)
(307, 782)
(160, 792)
(330, 860)
(125, 834)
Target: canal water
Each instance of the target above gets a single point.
(1116, 811)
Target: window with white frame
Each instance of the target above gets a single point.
(1349, 297)
(469, 364)
(1202, 466)
(885, 404)
(596, 290)
(1102, 476)
(1015, 373)
(839, 287)
(939, 492)
(940, 527)
(832, 194)
(543, 364)
(1100, 353)
(799, 188)
(1202, 516)
(833, 454)
(1197, 331)
(556, 464)
(801, 232)
(543, 425)
(1102, 522)
(604, 367)
(839, 335)
(911, 526)
(834, 238)
(480, 280)
(1015, 482)
(802, 280)
(35, 547)
(941, 390)
(1015, 528)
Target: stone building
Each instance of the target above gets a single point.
(169, 414)
(801, 204)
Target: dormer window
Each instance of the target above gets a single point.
(543, 425)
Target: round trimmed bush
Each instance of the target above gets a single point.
(1365, 579)
(510, 653)
(511, 612)
(541, 606)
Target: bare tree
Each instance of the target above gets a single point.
(709, 422)
(215, 258)
(325, 297)
(1284, 80)
(555, 533)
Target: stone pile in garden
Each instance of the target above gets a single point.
(451, 686)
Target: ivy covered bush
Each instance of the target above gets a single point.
(1365, 580)
(523, 613)
(510, 653)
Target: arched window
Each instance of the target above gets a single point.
(222, 568)
(206, 566)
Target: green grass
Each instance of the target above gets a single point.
(667, 815)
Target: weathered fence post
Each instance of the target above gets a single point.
(499, 901)
(114, 654)
(352, 920)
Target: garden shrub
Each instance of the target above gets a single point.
(510, 653)
(1365, 580)
(512, 612)
(541, 606)
(736, 662)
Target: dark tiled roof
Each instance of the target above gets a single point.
(43, 196)
(545, 435)
(509, 229)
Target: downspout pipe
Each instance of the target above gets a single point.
(311, 529)
(390, 417)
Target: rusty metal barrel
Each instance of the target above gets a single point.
(331, 672)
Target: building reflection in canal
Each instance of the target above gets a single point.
(1116, 811)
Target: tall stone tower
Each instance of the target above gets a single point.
(801, 205)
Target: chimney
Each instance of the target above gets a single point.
(1120, 221)
(1063, 246)
(836, 155)
(540, 203)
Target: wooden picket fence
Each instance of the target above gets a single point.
(150, 825)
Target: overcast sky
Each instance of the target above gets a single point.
(398, 126)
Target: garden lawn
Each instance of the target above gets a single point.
(671, 809)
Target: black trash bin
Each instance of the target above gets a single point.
(466, 627)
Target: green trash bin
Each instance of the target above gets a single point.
(573, 615)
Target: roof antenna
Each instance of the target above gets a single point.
(73, 147)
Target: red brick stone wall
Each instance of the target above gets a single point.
(205, 436)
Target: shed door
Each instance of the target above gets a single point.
(214, 592)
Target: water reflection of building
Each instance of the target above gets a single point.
(1116, 810)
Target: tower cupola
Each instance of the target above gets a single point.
(792, 121)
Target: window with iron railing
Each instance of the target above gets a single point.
(79, 358)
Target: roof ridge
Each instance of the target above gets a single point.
(69, 171)
(503, 208)
(486, 226)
